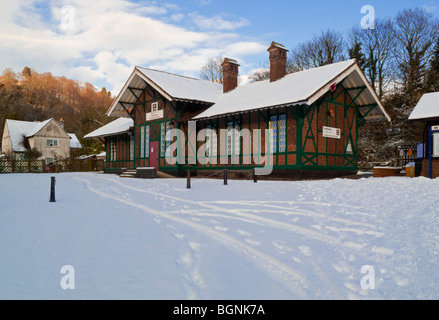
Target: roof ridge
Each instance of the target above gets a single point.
(172, 74)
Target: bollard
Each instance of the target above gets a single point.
(52, 189)
(255, 177)
(188, 184)
(225, 177)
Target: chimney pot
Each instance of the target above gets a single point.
(278, 61)
(230, 74)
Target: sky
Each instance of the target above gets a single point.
(101, 41)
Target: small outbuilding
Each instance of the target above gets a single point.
(427, 111)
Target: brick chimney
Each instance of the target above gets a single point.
(230, 74)
(61, 123)
(278, 61)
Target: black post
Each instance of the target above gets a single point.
(255, 177)
(225, 177)
(52, 189)
(188, 184)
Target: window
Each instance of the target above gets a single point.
(146, 142)
(233, 139)
(165, 139)
(50, 161)
(229, 138)
(273, 136)
(349, 149)
(211, 144)
(162, 139)
(278, 137)
(132, 147)
(168, 139)
(112, 150)
(282, 133)
(208, 144)
(52, 143)
(237, 139)
(142, 142)
(154, 107)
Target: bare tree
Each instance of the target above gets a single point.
(322, 49)
(415, 32)
(260, 74)
(212, 70)
(263, 72)
(377, 45)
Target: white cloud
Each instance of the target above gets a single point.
(110, 38)
(218, 23)
(430, 9)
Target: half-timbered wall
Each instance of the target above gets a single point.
(298, 135)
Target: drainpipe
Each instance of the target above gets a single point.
(430, 153)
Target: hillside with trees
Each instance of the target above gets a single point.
(32, 96)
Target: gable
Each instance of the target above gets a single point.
(170, 86)
(51, 130)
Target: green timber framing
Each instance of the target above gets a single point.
(303, 116)
(305, 145)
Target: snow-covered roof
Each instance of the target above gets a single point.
(118, 126)
(171, 86)
(303, 87)
(20, 129)
(427, 107)
(74, 141)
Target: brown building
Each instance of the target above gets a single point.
(306, 121)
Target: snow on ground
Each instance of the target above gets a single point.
(155, 239)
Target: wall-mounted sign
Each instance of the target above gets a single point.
(155, 112)
(435, 128)
(436, 144)
(420, 151)
(334, 133)
(154, 115)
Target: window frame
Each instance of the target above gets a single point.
(54, 143)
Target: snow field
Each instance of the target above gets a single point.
(155, 239)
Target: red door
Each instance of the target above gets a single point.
(154, 154)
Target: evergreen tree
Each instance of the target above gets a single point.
(356, 52)
(432, 79)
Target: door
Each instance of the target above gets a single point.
(154, 155)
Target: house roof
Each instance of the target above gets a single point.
(118, 126)
(172, 87)
(427, 107)
(19, 129)
(74, 141)
(303, 87)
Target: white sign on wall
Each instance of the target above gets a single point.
(334, 133)
(436, 145)
(155, 112)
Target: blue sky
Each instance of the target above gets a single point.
(101, 41)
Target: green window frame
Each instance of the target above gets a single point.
(144, 142)
(113, 150)
(132, 147)
(165, 139)
(278, 137)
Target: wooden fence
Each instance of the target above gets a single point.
(39, 166)
(406, 154)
